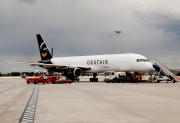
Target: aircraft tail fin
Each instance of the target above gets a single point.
(43, 49)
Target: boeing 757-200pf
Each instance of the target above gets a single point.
(73, 67)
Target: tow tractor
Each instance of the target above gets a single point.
(42, 78)
(37, 79)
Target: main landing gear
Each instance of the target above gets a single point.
(94, 79)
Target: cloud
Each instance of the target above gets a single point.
(27, 1)
(79, 27)
(162, 22)
(162, 15)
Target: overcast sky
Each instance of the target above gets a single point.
(87, 27)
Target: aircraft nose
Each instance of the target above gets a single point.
(150, 66)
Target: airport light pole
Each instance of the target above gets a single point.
(118, 32)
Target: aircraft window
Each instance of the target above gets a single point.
(137, 60)
(145, 60)
(142, 60)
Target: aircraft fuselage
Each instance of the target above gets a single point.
(102, 63)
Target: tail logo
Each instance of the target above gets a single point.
(43, 50)
(44, 54)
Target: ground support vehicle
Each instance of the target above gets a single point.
(59, 80)
(112, 76)
(121, 79)
(136, 77)
(37, 79)
(55, 79)
(163, 79)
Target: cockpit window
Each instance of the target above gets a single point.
(142, 60)
(145, 60)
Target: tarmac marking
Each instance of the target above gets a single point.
(9, 106)
(29, 112)
(6, 90)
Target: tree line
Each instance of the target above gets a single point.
(17, 74)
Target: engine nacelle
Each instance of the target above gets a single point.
(72, 72)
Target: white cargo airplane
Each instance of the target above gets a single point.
(73, 67)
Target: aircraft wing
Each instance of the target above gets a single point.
(49, 65)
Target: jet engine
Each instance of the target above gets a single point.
(72, 72)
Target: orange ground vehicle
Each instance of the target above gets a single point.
(37, 79)
(58, 79)
(62, 80)
(47, 79)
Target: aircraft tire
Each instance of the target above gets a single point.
(93, 79)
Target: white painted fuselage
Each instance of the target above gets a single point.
(102, 63)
